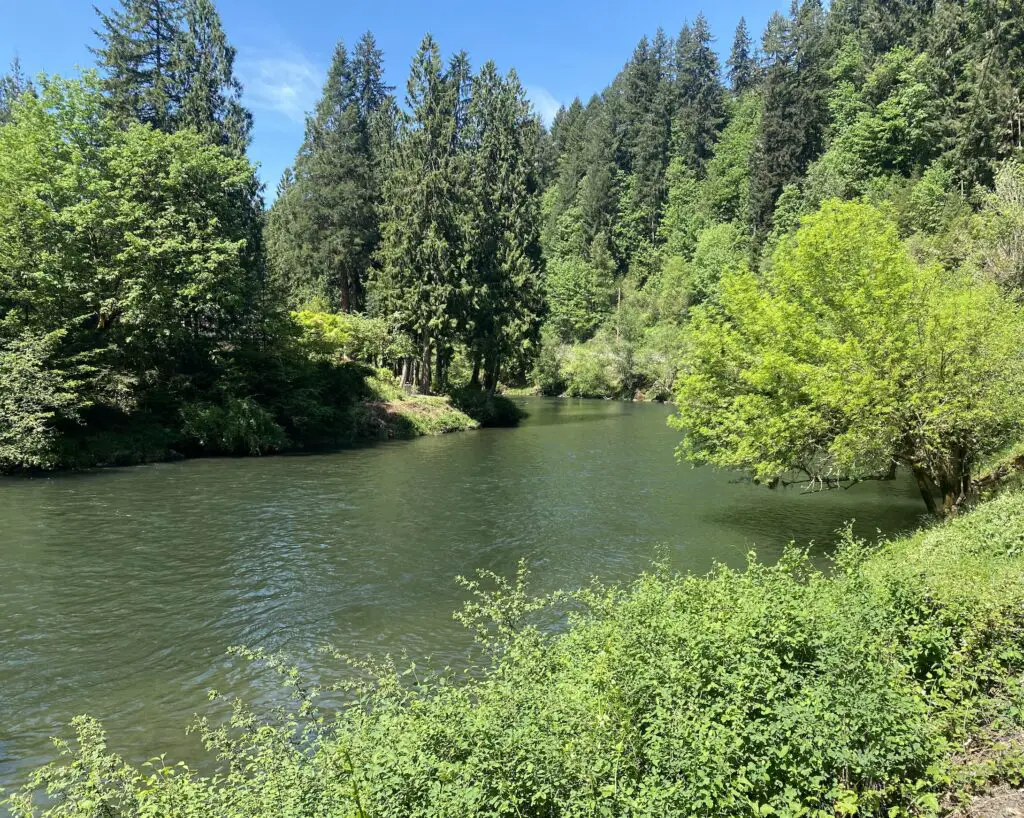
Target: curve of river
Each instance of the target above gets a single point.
(121, 589)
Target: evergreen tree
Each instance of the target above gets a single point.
(700, 95)
(12, 85)
(502, 323)
(324, 228)
(647, 122)
(742, 68)
(140, 43)
(795, 106)
(204, 76)
(167, 63)
(422, 253)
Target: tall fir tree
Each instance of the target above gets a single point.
(504, 293)
(422, 255)
(795, 112)
(167, 63)
(324, 226)
(647, 121)
(139, 44)
(210, 93)
(12, 85)
(701, 104)
(741, 63)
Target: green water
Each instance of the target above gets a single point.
(121, 589)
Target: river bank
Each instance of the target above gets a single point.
(386, 412)
(123, 587)
(888, 685)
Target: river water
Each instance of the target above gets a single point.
(121, 589)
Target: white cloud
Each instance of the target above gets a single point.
(288, 85)
(544, 103)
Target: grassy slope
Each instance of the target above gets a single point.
(885, 688)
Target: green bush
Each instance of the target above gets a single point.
(774, 691)
(241, 426)
(487, 410)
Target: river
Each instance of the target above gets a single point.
(120, 589)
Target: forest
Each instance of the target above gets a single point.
(810, 241)
(814, 249)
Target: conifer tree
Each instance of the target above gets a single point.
(795, 106)
(502, 316)
(167, 63)
(211, 95)
(324, 227)
(647, 122)
(140, 42)
(12, 85)
(742, 68)
(422, 253)
(701, 100)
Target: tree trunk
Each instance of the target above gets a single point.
(425, 367)
(492, 373)
(441, 374)
(346, 297)
(927, 488)
(474, 381)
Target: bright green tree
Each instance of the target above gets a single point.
(847, 360)
(126, 271)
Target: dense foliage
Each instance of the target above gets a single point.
(770, 691)
(460, 245)
(846, 358)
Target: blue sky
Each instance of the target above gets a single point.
(560, 49)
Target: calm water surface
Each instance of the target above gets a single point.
(121, 589)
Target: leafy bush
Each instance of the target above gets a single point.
(771, 691)
(241, 426)
(487, 410)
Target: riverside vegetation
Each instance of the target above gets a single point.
(822, 261)
(818, 256)
(890, 685)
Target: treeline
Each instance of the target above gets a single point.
(675, 172)
(141, 313)
(819, 259)
(816, 249)
(424, 215)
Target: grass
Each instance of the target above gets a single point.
(391, 413)
(888, 686)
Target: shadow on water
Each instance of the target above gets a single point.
(122, 588)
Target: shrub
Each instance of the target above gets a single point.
(240, 426)
(487, 410)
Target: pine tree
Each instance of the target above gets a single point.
(204, 74)
(795, 106)
(139, 45)
(422, 253)
(647, 121)
(701, 110)
(504, 300)
(167, 63)
(324, 228)
(742, 68)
